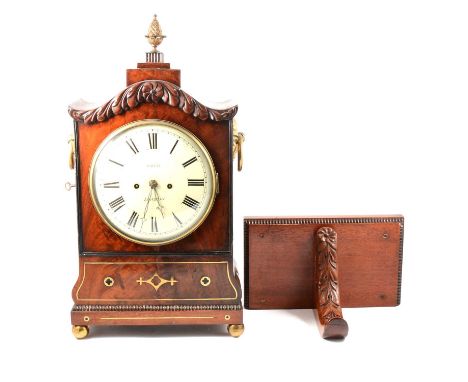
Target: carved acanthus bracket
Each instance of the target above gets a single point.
(328, 293)
(150, 91)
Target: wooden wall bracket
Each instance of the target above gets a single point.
(292, 263)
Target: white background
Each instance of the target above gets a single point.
(384, 85)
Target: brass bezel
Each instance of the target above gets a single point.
(143, 122)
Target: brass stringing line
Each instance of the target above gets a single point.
(82, 281)
(152, 318)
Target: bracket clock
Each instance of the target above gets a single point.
(154, 190)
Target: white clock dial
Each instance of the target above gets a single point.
(153, 182)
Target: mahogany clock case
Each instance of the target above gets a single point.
(190, 281)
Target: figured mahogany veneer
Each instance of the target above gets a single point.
(213, 235)
(157, 290)
(162, 280)
(153, 71)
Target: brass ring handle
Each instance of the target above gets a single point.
(238, 140)
(71, 156)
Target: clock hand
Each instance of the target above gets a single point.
(147, 203)
(146, 208)
(154, 186)
(159, 203)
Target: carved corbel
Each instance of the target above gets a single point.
(332, 324)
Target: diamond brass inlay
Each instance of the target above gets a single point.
(161, 282)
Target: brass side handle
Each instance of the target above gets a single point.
(71, 155)
(238, 140)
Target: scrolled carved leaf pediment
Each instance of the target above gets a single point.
(153, 92)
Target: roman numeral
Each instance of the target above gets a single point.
(154, 224)
(132, 146)
(117, 163)
(189, 162)
(177, 219)
(117, 204)
(153, 140)
(196, 182)
(112, 185)
(192, 203)
(173, 147)
(133, 219)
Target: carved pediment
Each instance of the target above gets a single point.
(151, 91)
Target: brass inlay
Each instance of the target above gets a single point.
(108, 281)
(227, 317)
(159, 299)
(155, 318)
(205, 281)
(161, 282)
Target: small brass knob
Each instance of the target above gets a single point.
(69, 186)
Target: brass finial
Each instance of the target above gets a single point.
(155, 36)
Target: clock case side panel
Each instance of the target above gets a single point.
(214, 236)
(78, 186)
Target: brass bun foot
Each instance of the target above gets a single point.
(80, 332)
(235, 330)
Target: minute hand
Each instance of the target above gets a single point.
(161, 208)
(146, 207)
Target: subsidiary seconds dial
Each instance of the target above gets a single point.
(153, 182)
